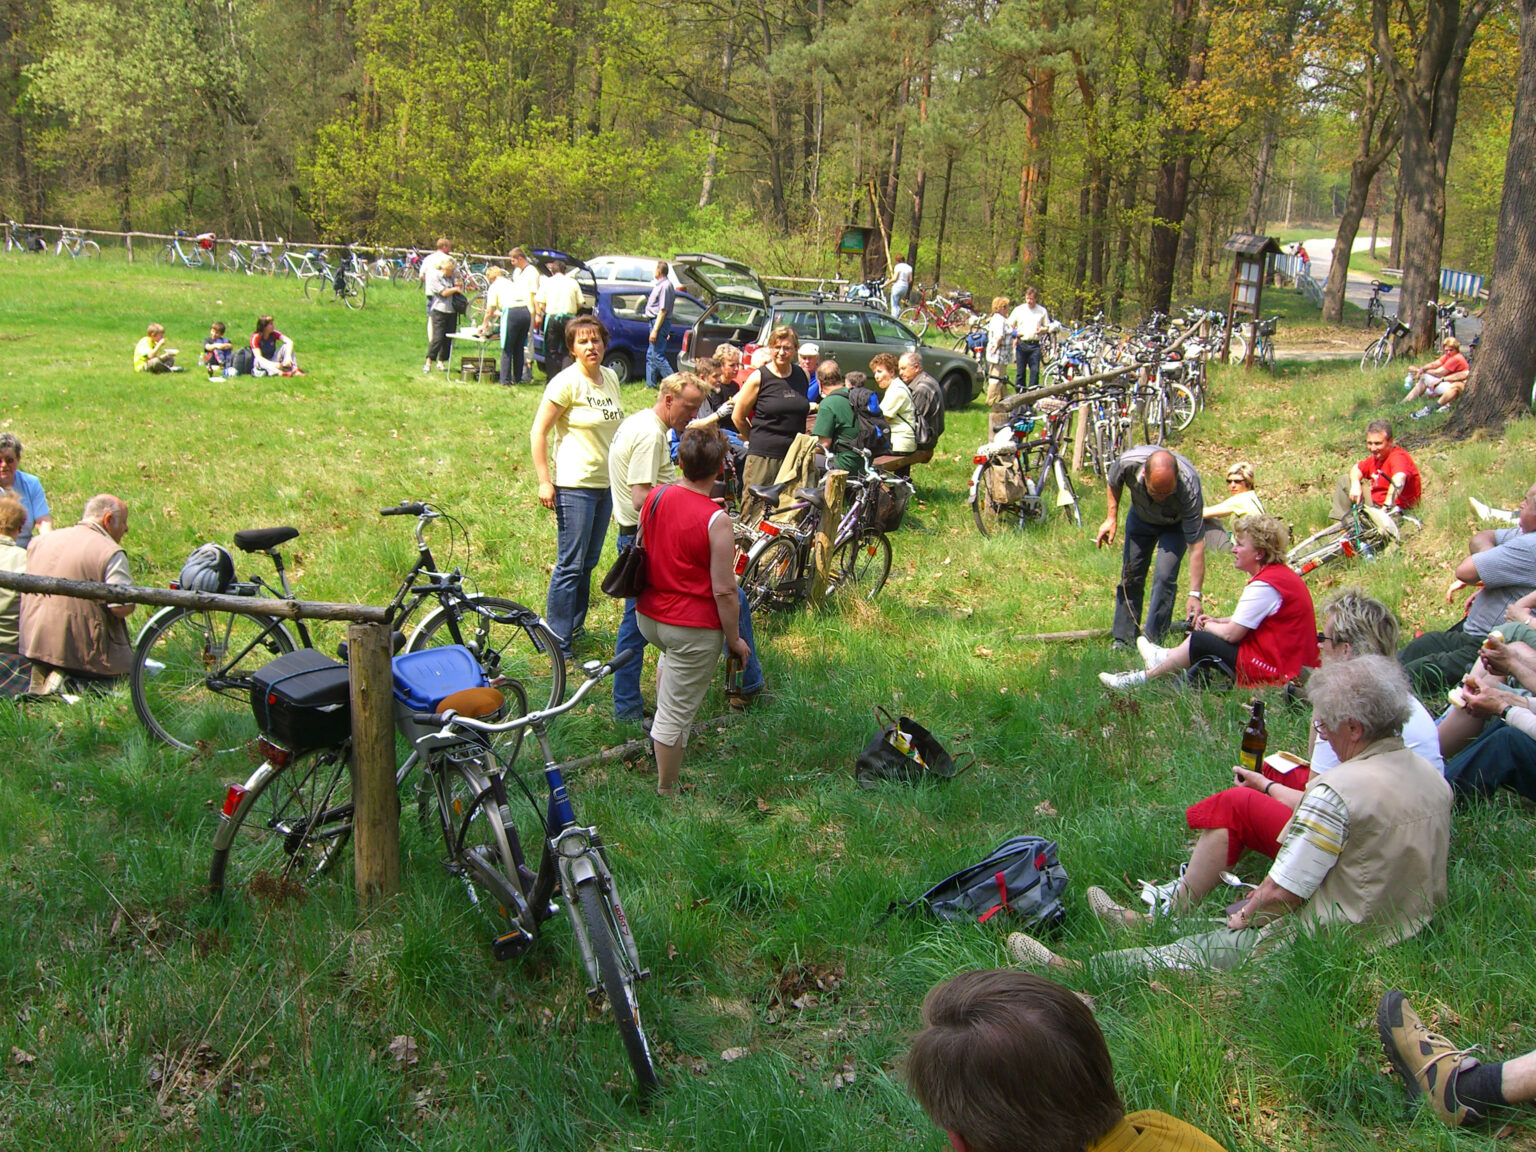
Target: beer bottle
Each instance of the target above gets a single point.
(1255, 738)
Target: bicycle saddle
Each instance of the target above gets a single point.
(471, 702)
(769, 492)
(260, 539)
(812, 496)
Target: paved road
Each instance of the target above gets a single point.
(1357, 290)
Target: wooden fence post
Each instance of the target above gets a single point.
(128, 244)
(376, 820)
(1079, 436)
(833, 494)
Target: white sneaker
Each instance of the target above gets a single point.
(152, 668)
(1160, 897)
(1483, 511)
(1151, 654)
(1120, 681)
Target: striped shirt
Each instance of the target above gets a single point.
(1313, 841)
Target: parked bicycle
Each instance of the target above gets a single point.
(1375, 310)
(187, 250)
(191, 676)
(950, 314)
(249, 259)
(1446, 316)
(776, 560)
(289, 824)
(1019, 479)
(77, 244)
(345, 282)
(1380, 351)
(1262, 334)
(20, 238)
(1366, 533)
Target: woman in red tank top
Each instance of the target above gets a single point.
(690, 602)
(1270, 636)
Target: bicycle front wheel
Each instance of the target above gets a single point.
(166, 255)
(618, 977)
(860, 565)
(478, 832)
(90, 249)
(915, 319)
(354, 291)
(191, 676)
(1182, 406)
(316, 287)
(264, 265)
(287, 828)
(510, 641)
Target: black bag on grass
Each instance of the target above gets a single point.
(903, 750)
(1022, 877)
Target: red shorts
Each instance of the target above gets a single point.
(1253, 820)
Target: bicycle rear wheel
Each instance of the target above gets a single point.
(860, 565)
(618, 977)
(316, 287)
(510, 641)
(478, 831)
(191, 676)
(90, 249)
(354, 291)
(772, 580)
(284, 828)
(1320, 548)
(994, 517)
(1378, 354)
(1182, 406)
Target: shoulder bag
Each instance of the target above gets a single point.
(626, 579)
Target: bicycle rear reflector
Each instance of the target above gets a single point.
(233, 797)
(274, 754)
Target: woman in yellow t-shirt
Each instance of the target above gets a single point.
(581, 406)
(1241, 500)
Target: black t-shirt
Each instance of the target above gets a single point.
(780, 413)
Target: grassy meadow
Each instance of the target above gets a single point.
(140, 1015)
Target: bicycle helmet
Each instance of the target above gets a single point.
(210, 568)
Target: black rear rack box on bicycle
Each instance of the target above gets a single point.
(300, 700)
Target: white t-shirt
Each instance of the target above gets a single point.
(1258, 602)
(898, 407)
(430, 264)
(1026, 321)
(640, 454)
(901, 274)
(502, 294)
(1419, 734)
(525, 286)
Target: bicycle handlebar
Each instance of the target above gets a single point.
(405, 508)
(629, 655)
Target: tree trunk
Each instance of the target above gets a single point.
(1395, 241)
(938, 255)
(1185, 70)
(1500, 385)
(1260, 186)
(712, 158)
(1369, 157)
(1035, 180)
(1427, 87)
(920, 184)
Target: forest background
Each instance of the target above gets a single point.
(1102, 150)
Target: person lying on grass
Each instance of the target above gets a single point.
(1270, 636)
(1365, 851)
(1252, 815)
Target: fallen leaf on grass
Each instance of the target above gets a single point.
(403, 1049)
(844, 1077)
(733, 1054)
(1046, 808)
(21, 1058)
(984, 653)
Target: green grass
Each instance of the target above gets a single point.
(147, 1017)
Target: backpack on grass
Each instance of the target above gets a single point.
(243, 361)
(1022, 877)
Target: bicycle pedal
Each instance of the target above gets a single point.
(511, 945)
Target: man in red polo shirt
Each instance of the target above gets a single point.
(1390, 473)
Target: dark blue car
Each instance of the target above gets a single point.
(621, 308)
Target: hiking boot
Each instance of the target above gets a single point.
(1029, 951)
(1151, 654)
(1428, 1064)
(1121, 681)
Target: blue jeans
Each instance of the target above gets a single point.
(581, 519)
(1501, 757)
(898, 298)
(657, 367)
(1142, 542)
(1027, 357)
(627, 701)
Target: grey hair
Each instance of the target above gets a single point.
(911, 357)
(9, 443)
(1372, 691)
(1363, 622)
(98, 508)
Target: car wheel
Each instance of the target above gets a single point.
(957, 390)
(618, 364)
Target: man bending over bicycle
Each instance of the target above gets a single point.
(1390, 471)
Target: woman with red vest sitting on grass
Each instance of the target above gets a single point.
(1270, 636)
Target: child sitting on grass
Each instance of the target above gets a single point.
(217, 351)
(151, 355)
